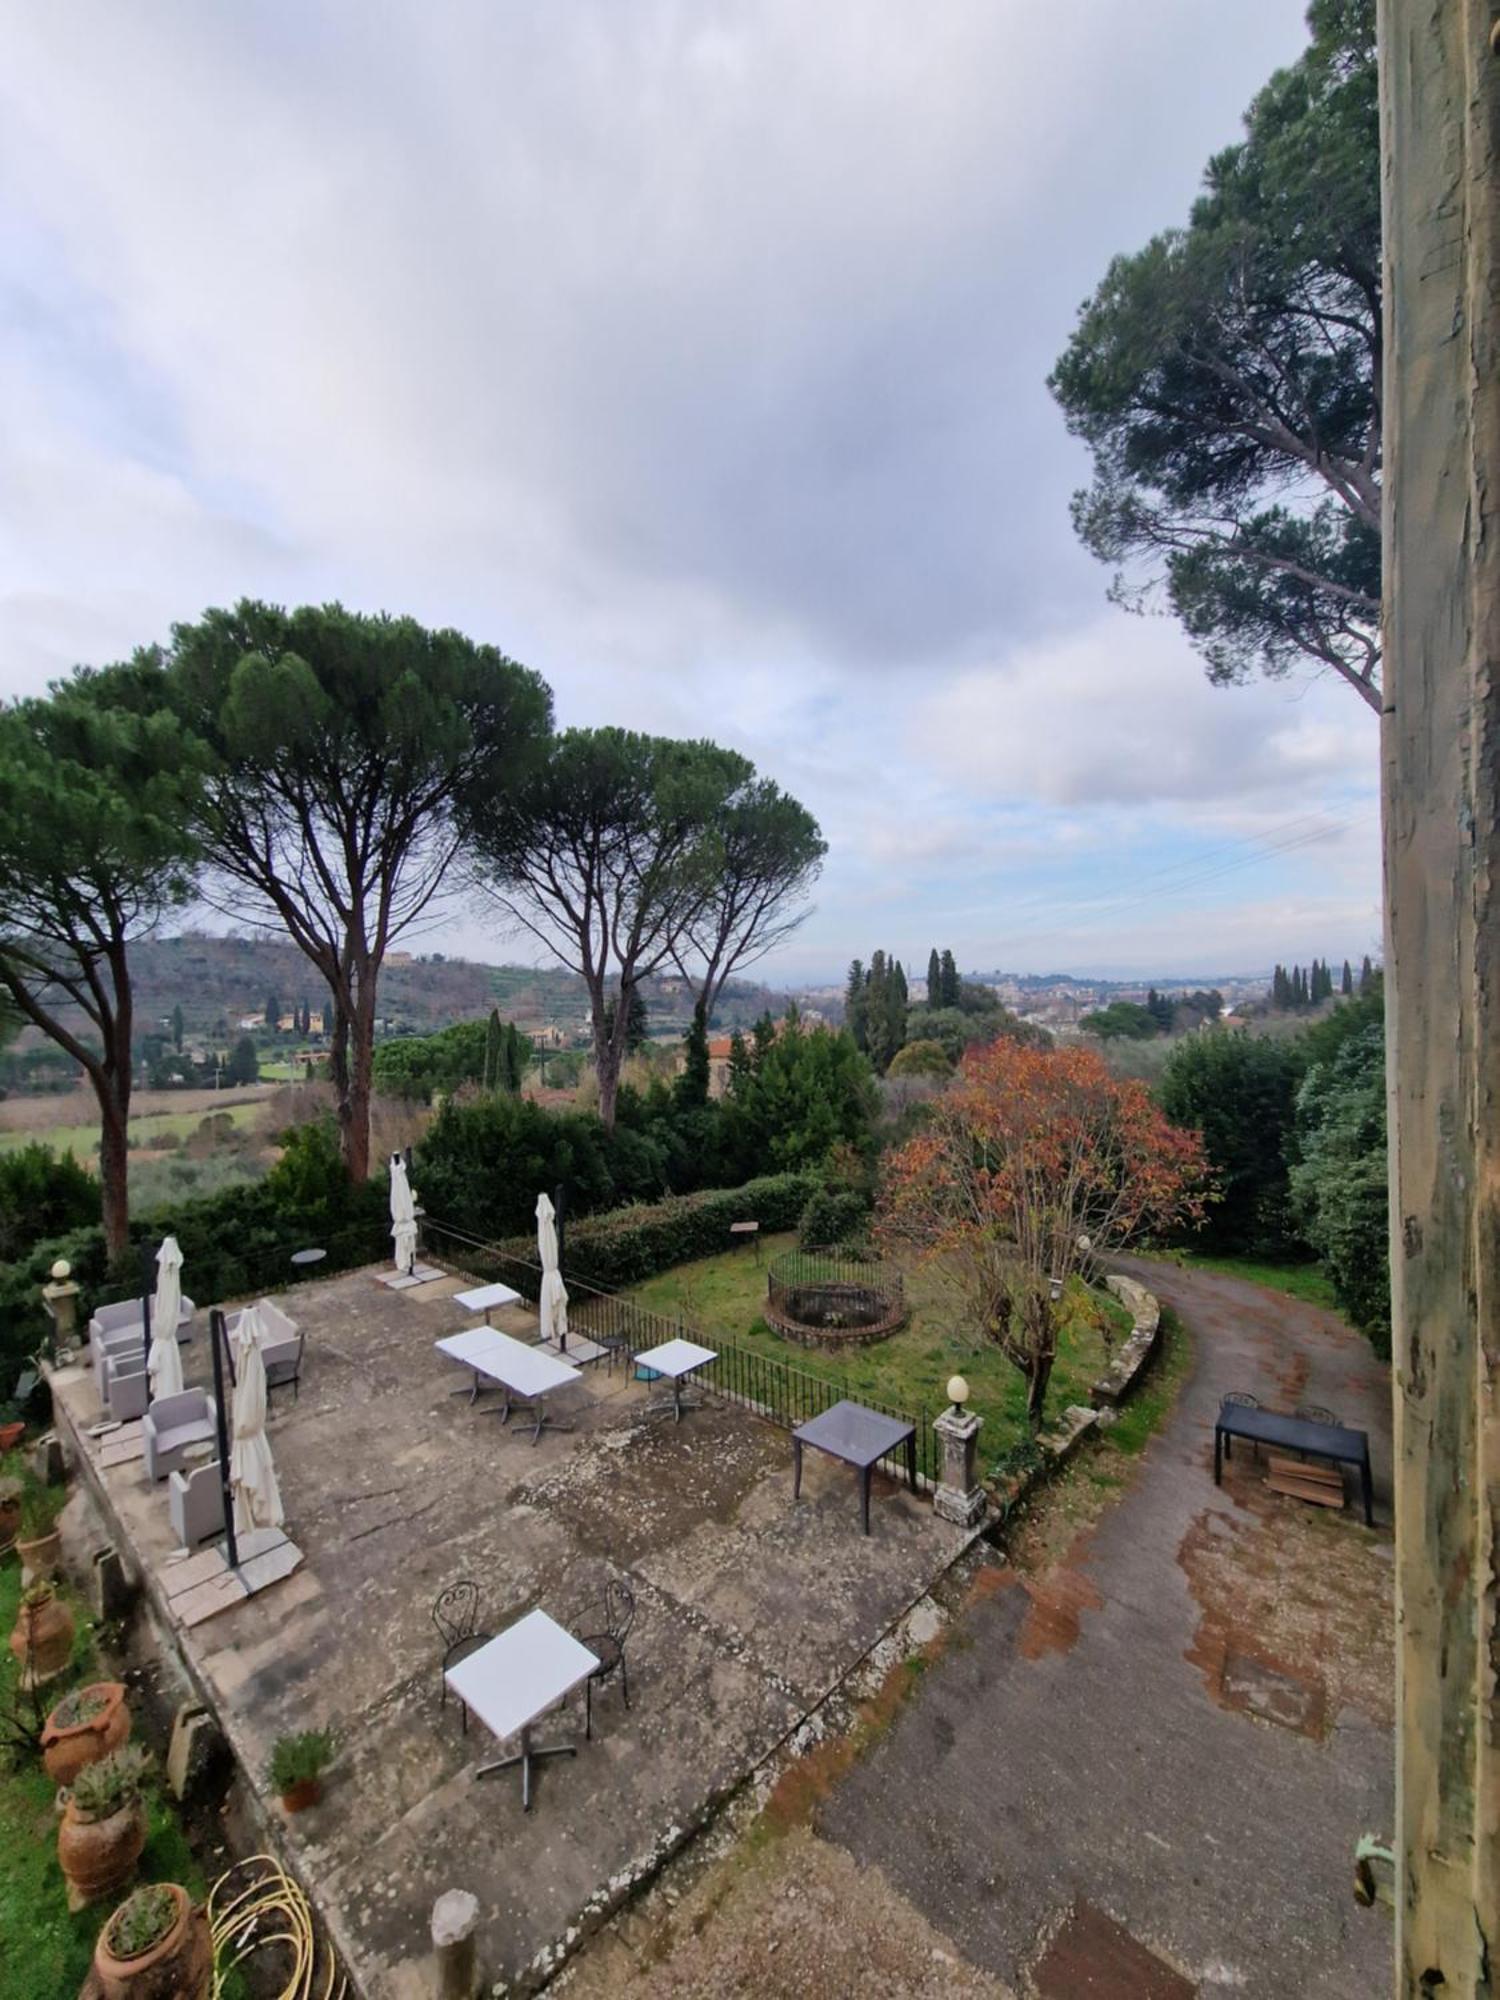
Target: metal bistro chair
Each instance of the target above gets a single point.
(1241, 1400)
(455, 1613)
(609, 1645)
(1313, 1413)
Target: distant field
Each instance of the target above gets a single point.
(70, 1123)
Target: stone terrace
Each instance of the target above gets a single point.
(749, 1612)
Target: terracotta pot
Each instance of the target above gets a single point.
(11, 1435)
(98, 1856)
(67, 1749)
(306, 1792)
(42, 1640)
(178, 1966)
(40, 1559)
(10, 1519)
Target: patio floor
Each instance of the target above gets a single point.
(749, 1611)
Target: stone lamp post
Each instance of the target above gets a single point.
(958, 1496)
(60, 1297)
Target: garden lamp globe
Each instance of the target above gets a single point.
(958, 1392)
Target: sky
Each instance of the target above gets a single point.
(693, 352)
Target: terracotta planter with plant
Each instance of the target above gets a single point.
(103, 1827)
(297, 1764)
(90, 1723)
(156, 1946)
(42, 1636)
(38, 1541)
(10, 1512)
(11, 1434)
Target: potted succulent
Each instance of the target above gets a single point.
(39, 1542)
(90, 1723)
(42, 1636)
(103, 1826)
(156, 1946)
(297, 1764)
(10, 1512)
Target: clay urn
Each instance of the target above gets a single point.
(90, 1723)
(103, 1827)
(42, 1636)
(175, 1963)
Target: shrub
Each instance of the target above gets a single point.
(1239, 1091)
(1340, 1184)
(921, 1058)
(296, 1759)
(42, 1193)
(833, 1216)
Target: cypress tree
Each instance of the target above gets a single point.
(273, 1011)
(1366, 974)
(1346, 984)
(950, 979)
(934, 979)
(856, 1006)
(492, 1078)
(740, 1070)
(692, 1085)
(327, 1017)
(177, 1027)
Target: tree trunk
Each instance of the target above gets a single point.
(1440, 115)
(114, 1165)
(354, 1100)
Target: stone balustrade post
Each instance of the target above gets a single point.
(958, 1496)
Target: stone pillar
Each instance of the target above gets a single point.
(958, 1497)
(454, 1916)
(60, 1297)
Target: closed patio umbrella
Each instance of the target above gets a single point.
(252, 1472)
(164, 1360)
(403, 1215)
(552, 1308)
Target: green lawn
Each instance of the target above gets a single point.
(45, 1948)
(723, 1295)
(84, 1139)
(1299, 1281)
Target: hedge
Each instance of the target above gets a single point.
(612, 1252)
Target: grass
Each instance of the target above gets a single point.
(46, 1948)
(724, 1295)
(1306, 1282)
(83, 1140)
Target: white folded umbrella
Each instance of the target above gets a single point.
(164, 1359)
(552, 1307)
(252, 1471)
(403, 1215)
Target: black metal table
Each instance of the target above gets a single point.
(1335, 1441)
(859, 1437)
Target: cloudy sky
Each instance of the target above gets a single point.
(693, 351)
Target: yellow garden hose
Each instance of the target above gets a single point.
(269, 1909)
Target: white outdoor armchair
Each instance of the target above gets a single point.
(171, 1424)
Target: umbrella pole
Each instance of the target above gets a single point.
(146, 1304)
(216, 1334)
(559, 1208)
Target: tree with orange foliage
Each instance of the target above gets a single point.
(1034, 1158)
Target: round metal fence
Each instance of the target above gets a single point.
(829, 1298)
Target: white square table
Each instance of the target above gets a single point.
(484, 1299)
(675, 1359)
(528, 1668)
(518, 1370)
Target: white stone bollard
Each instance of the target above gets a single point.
(454, 1915)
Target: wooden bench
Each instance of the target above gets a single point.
(1320, 1485)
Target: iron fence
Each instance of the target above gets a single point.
(265, 1268)
(778, 1390)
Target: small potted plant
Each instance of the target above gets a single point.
(90, 1723)
(42, 1636)
(103, 1826)
(156, 1946)
(297, 1764)
(10, 1512)
(39, 1542)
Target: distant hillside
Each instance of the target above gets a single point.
(219, 980)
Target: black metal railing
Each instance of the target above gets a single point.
(834, 1289)
(214, 1278)
(778, 1390)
